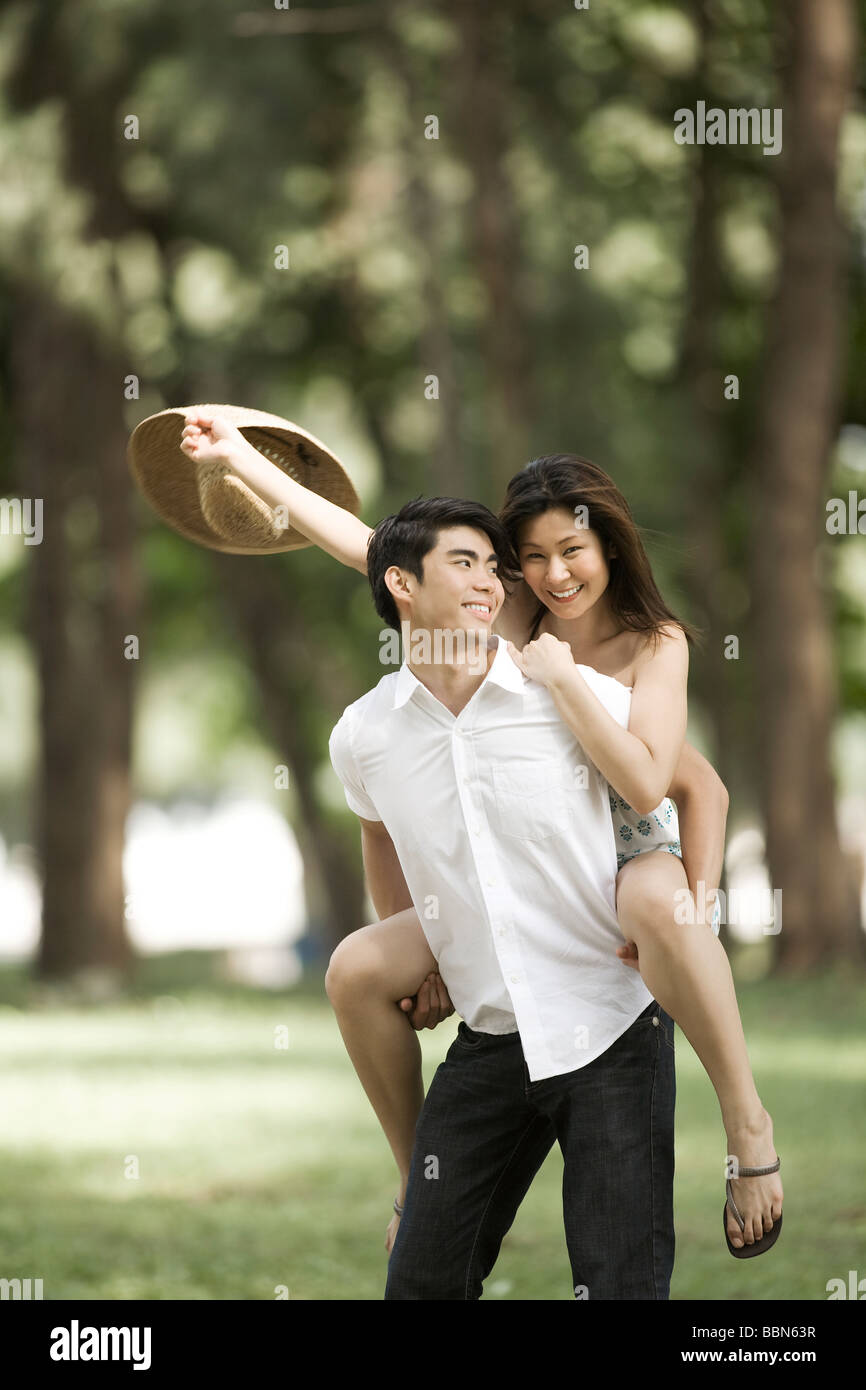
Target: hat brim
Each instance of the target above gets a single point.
(170, 481)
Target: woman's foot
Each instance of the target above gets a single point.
(759, 1200)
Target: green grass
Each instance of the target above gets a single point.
(261, 1167)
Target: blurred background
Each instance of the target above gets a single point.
(445, 238)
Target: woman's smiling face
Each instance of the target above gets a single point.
(564, 564)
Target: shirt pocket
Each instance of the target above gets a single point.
(534, 800)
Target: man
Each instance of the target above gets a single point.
(471, 788)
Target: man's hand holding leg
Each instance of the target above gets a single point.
(430, 1005)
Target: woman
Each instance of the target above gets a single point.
(586, 597)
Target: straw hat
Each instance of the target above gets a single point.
(207, 503)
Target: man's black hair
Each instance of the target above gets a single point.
(404, 539)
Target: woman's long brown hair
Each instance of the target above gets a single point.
(568, 481)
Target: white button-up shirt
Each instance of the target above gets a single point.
(503, 830)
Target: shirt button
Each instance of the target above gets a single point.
(476, 829)
(502, 931)
(655, 1022)
(515, 979)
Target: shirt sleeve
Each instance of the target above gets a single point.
(343, 763)
(615, 696)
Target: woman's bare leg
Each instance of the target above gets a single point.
(684, 966)
(370, 970)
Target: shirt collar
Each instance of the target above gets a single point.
(503, 672)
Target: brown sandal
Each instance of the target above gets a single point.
(770, 1237)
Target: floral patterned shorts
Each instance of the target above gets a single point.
(636, 834)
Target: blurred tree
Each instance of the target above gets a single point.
(298, 680)
(702, 449)
(66, 374)
(82, 611)
(797, 424)
(481, 112)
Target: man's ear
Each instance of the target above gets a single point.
(396, 582)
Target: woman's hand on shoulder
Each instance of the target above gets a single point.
(545, 660)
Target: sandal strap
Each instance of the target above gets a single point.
(732, 1204)
(759, 1172)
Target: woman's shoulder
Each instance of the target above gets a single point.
(665, 636)
(665, 646)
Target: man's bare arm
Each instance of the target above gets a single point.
(390, 894)
(388, 887)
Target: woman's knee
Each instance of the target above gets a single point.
(353, 968)
(647, 903)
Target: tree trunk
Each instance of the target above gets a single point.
(699, 378)
(82, 604)
(452, 463)
(482, 106)
(272, 630)
(796, 426)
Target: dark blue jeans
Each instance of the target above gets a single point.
(484, 1132)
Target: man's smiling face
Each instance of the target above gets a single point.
(461, 588)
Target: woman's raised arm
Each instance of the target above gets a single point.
(328, 526)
